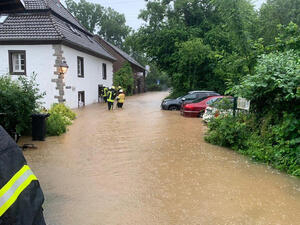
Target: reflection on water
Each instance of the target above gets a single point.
(141, 165)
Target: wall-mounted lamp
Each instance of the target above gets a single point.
(63, 68)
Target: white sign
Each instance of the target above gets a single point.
(243, 103)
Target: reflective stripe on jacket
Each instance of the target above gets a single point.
(121, 98)
(105, 92)
(21, 196)
(10, 192)
(111, 96)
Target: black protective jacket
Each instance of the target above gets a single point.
(27, 208)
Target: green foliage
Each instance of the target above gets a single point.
(275, 144)
(19, 99)
(63, 110)
(60, 117)
(156, 80)
(274, 84)
(56, 125)
(275, 12)
(124, 78)
(107, 22)
(228, 131)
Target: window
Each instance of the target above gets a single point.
(74, 30)
(3, 18)
(190, 96)
(80, 66)
(104, 75)
(17, 62)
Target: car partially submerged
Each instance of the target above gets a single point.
(197, 107)
(222, 106)
(175, 104)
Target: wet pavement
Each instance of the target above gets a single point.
(141, 166)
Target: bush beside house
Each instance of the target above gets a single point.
(123, 77)
(19, 99)
(60, 117)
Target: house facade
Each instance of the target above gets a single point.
(39, 39)
(122, 57)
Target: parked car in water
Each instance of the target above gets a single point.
(222, 106)
(197, 107)
(175, 104)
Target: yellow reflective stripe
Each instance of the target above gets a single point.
(19, 189)
(11, 182)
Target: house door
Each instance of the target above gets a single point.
(81, 99)
(100, 89)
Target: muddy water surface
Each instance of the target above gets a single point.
(141, 165)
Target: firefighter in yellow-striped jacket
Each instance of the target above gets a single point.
(21, 196)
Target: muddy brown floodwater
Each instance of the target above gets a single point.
(141, 166)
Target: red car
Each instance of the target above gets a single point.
(196, 109)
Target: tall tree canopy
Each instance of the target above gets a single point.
(106, 22)
(275, 12)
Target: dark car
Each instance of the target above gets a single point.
(175, 104)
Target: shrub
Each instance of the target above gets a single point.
(63, 110)
(228, 131)
(275, 144)
(60, 117)
(124, 78)
(56, 125)
(19, 99)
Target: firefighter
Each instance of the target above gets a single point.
(105, 90)
(118, 89)
(121, 99)
(21, 196)
(111, 95)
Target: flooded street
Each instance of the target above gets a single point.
(141, 166)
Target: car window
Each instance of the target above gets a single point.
(190, 96)
(199, 99)
(212, 101)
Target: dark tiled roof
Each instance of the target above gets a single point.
(35, 4)
(80, 38)
(42, 25)
(125, 55)
(29, 27)
(58, 8)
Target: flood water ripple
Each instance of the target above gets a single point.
(141, 166)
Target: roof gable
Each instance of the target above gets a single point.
(47, 21)
(123, 54)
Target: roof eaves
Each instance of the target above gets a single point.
(124, 55)
(86, 50)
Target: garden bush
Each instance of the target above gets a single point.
(19, 99)
(277, 145)
(60, 117)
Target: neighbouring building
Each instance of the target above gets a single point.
(139, 71)
(43, 36)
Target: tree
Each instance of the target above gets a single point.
(88, 14)
(124, 78)
(275, 12)
(107, 22)
(190, 39)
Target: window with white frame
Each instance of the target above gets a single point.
(17, 62)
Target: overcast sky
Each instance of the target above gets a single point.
(131, 9)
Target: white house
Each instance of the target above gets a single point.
(39, 39)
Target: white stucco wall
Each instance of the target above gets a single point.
(92, 77)
(40, 59)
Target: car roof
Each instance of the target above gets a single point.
(191, 92)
